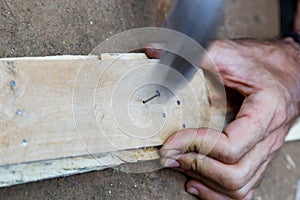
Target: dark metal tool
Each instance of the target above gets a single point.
(197, 19)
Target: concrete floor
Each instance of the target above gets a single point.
(41, 27)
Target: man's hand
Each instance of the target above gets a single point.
(268, 75)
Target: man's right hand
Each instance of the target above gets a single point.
(268, 75)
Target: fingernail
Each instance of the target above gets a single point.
(157, 45)
(193, 191)
(170, 153)
(171, 163)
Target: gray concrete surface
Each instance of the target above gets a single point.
(41, 27)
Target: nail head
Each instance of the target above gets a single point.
(19, 112)
(12, 84)
(24, 142)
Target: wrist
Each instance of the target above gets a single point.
(292, 67)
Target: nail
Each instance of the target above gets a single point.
(12, 84)
(193, 191)
(19, 112)
(171, 163)
(157, 94)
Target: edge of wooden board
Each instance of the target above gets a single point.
(40, 170)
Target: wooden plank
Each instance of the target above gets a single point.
(37, 116)
(37, 119)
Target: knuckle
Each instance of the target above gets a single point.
(276, 52)
(235, 180)
(219, 43)
(240, 194)
(191, 163)
(245, 193)
(223, 42)
(232, 155)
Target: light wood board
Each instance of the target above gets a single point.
(62, 115)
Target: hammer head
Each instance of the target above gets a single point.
(198, 20)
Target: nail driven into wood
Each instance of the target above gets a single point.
(12, 84)
(24, 142)
(153, 97)
(19, 112)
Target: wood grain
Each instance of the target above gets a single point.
(62, 115)
(66, 113)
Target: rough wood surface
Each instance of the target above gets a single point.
(41, 137)
(43, 118)
(52, 124)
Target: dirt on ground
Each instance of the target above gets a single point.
(57, 27)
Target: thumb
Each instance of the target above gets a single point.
(155, 50)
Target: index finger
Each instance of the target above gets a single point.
(249, 128)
